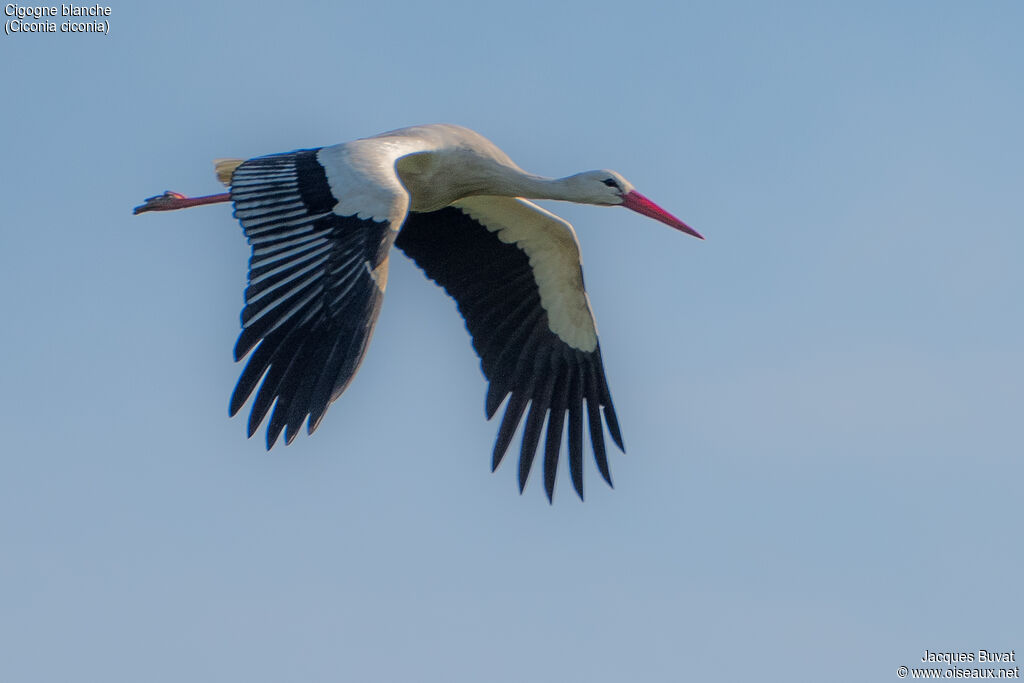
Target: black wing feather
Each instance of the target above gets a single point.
(576, 429)
(312, 300)
(523, 359)
(556, 419)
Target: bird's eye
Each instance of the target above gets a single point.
(611, 182)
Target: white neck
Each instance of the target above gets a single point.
(516, 183)
(435, 181)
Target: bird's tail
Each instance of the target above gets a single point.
(226, 167)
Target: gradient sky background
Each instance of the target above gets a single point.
(821, 403)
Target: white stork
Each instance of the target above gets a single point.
(321, 223)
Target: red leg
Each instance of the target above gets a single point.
(171, 201)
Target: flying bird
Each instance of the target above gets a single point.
(321, 223)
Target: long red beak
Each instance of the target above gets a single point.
(641, 204)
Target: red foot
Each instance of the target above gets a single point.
(170, 201)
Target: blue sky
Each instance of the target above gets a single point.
(821, 403)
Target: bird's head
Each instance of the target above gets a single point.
(608, 188)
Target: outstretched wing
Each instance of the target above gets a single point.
(514, 271)
(320, 233)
